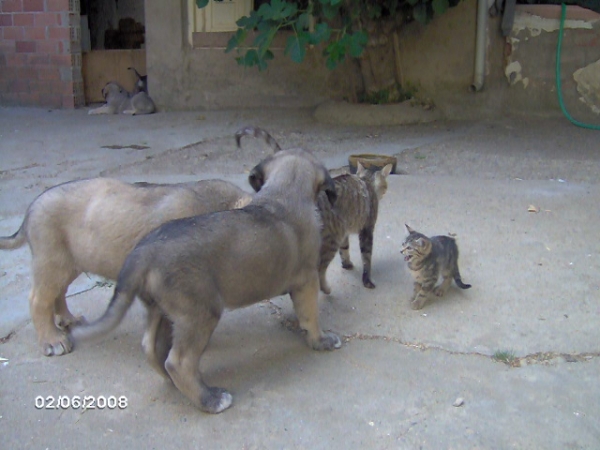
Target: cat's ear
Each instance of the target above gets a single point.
(386, 170)
(409, 229)
(359, 168)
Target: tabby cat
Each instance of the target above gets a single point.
(428, 258)
(354, 211)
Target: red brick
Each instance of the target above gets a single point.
(46, 19)
(6, 20)
(57, 5)
(7, 73)
(28, 98)
(49, 100)
(12, 6)
(34, 33)
(68, 101)
(38, 59)
(24, 20)
(27, 73)
(19, 85)
(25, 46)
(48, 46)
(48, 73)
(61, 60)
(17, 59)
(59, 33)
(33, 5)
(13, 33)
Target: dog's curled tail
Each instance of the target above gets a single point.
(257, 133)
(17, 240)
(118, 307)
(136, 72)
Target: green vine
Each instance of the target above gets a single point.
(339, 26)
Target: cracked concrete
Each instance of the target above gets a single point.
(394, 383)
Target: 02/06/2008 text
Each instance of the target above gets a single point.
(81, 402)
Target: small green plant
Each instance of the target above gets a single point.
(393, 94)
(506, 356)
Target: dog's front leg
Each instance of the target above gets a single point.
(306, 305)
(104, 109)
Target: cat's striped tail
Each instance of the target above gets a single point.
(257, 133)
(459, 281)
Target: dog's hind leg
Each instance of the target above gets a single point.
(306, 306)
(158, 340)
(191, 333)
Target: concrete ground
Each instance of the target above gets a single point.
(535, 300)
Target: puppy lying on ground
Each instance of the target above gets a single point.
(91, 226)
(119, 101)
(189, 270)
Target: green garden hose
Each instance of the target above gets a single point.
(558, 85)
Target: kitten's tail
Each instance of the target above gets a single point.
(459, 281)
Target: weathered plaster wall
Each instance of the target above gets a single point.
(438, 59)
(181, 77)
(531, 60)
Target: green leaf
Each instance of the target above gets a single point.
(302, 21)
(357, 43)
(296, 46)
(440, 6)
(236, 40)
(251, 58)
(322, 33)
(248, 22)
(330, 12)
(201, 3)
(420, 13)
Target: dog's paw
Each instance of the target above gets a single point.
(417, 304)
(215, 400)
(58, 348)
(327, 341)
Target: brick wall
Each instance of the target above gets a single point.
(40, 53)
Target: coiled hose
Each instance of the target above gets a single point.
(558, 83)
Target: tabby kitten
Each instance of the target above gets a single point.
(428, 258)
(354, 211)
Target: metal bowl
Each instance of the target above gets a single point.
(371, 161)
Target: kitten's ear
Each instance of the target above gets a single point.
(386, 170)
(409, 229)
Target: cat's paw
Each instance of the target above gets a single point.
(368, 283)
(347, 265)
(439, 292)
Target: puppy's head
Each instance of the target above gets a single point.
(111, 88)
(286, 166)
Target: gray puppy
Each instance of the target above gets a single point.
(188, 271)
